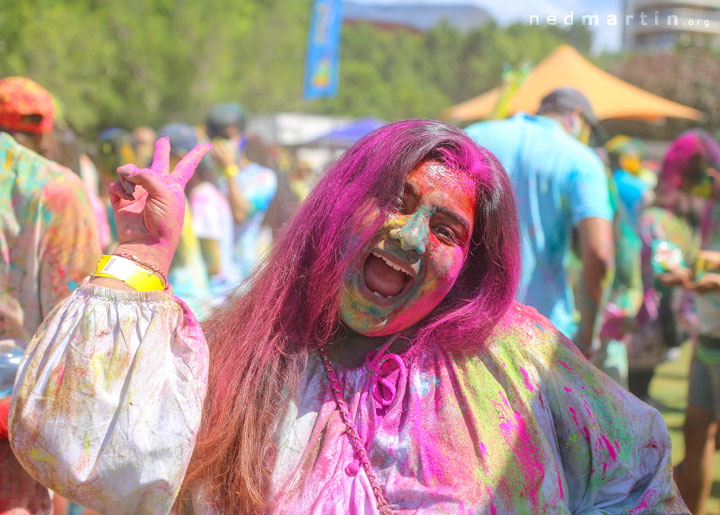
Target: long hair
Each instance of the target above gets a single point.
(259, 343)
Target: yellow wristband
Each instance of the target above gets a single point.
(127, 271)
(231, 171)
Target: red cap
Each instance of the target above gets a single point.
(25, 106)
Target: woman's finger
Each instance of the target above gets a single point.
(152, 183)
(161, 158)
(118, 193)
(186, 167)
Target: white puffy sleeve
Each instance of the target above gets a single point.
(108, 399)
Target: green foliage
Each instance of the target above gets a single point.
(127, 62)
(403, 74)
(132, 62)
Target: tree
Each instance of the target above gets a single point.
(132, 62)
(687, 76)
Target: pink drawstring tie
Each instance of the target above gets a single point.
(385, 370)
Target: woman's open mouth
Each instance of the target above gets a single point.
(385, 277)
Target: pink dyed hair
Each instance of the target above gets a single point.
(260, 341)
(687, 158)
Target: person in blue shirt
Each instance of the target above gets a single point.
(624, 155)
(249, 186)
(561, 186)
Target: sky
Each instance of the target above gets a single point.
(607, 37)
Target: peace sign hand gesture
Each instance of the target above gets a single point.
(149, 205)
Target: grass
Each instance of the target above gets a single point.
(669, 390)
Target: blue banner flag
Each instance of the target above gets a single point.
(323, 53)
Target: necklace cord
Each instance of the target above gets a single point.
(352, 433)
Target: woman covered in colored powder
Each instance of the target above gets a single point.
(670, 234)
(377, 362)
(692, 166)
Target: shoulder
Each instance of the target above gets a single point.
(526, 354)
(657, 219)
(40, 178)
(485, 129)
(582, 157)
(526, 333)
(659, 223)
(32, 170)
(629, 181)
(256, 175)
(64, 186)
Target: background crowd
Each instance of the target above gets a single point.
(621, 244)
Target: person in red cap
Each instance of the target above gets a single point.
(48, 244)
(27, 112)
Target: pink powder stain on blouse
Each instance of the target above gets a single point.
(528, 384)
(584, 429)
(493, 510)
(610, 448)
(559, 481)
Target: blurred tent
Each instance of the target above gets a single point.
(565, 67)
(344, 136)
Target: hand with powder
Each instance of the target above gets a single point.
(149, 205)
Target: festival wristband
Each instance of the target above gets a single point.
(127, 271)
(231, 171)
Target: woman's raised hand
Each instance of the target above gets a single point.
(149, 205)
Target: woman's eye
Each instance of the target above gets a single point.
(446, 233)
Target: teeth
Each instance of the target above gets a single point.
(391, 264)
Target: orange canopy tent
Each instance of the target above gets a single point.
(565, 67)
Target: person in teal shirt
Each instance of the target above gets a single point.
(560, 185)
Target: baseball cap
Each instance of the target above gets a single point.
(183, 137)
(25, 106)
(568, 99)
(221, 116)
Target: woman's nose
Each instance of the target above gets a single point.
(413, 232)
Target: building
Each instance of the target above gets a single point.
(657, 25)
